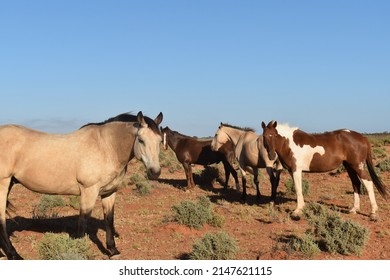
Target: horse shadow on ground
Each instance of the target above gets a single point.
(340, 208)
(58, 225)
(207, 179)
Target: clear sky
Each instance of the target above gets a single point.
(318, 65)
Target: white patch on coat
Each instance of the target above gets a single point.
(303, 155)
(347, 130)
(361, 166)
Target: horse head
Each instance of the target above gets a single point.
(269, 135)
(147, 144)
(166, 131)
(219, 139)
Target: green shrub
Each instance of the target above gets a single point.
(74, 201)
(379, 152)
(384, 165)
(46, 203)
(62, 247)
(168, 160)
(141, 183)
(144, 187)
(306, 244)
(291, 188)
(196, 214)
(136, 178)
(333, 234)
(214, 246)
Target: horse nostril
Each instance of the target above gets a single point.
(153, 173)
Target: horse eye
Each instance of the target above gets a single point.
(141, 141)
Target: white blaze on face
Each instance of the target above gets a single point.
(303, 155)
(165, 140)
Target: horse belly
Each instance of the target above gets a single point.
(325, 163)
(48, 180)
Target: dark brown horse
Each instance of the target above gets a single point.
(302, 152)
(191, 150)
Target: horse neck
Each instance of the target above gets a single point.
(121, 138)
(234, 134)
(173, 139)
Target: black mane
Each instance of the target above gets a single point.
(240, 128)
(127, 117)
(178, 133)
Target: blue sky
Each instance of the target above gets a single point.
(318, 65)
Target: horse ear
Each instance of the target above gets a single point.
(275, 124)
(263, 125)
(141, 120)
(159, 118)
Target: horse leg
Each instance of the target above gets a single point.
(274, 184)
(5, 243)
(371, 195)
(228, 170)
(88, 198)
(243, 175)
(256, 181)
(361, 172)
(108, 210)
(188, 172)
(297, 177)
(356, 187)
(234, 173)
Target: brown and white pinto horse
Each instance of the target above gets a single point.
(299, 151)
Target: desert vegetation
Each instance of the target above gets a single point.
(159, 220)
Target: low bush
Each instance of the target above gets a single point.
(332, 233)
(306, 244)
(46, 203)
(214, 246)
(384, 165)
(62, 247)
(196, 214)
(144, 187)
(291, 187)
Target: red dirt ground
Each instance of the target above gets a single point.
(146, 232)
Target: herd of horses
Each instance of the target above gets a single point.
(92, 161)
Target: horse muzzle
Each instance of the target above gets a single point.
(153, 173)
(272, 155)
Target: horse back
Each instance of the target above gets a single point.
(196, 151)
(56, 163)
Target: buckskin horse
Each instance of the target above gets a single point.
(250, 154)
(191, 150)
(88, 162)
(300, 151)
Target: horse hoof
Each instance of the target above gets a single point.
(353, 211)
(115, 257)
(296, 216)
(16, 257)
(373, 217)
(114, 254)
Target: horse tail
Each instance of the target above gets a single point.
(380, 186)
